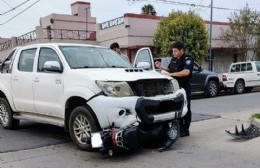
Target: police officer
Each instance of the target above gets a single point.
(181, 67)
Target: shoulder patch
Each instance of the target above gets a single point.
(188, 62)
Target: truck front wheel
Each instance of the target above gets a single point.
(6, 115)
(81, 125)
(212, 89)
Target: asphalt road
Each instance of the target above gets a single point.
(42, 145)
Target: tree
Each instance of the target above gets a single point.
(186, 27)
(243, 33)
(148, 10)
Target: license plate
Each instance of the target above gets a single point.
(96, 140)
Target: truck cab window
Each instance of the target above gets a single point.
(26, 60)
(243, 67)
(233, 68)
(249, 67)
(257, 66)
(238, 68)
(46, 54)
(144, 56)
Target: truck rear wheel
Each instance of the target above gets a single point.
(81, 125)
(212, 89)
(6, 115)
(239, 87)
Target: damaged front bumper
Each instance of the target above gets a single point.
(154, 111)
(124, 111)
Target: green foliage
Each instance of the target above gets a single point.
(257, 115)
(186, 27)
(244, 32)
(148, 10)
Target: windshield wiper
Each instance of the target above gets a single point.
(88, 67)
(80, 67)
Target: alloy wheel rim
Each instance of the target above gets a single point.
(213, 89)
(81, 128)
(240, 87)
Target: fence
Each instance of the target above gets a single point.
(6, 45)
(26, 38)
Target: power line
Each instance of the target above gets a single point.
(188, 4)
(13, 8)
(19, 13)
(7, 4)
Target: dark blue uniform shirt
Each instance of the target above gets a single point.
(177, 65)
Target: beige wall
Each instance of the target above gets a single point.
(141, 31)
(134, 31)
(138, 30)
(113, 34)
(69, 22)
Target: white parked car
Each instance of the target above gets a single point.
(242, 76)
(102, 100)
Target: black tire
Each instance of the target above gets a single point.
(81, 121)
(212, 89)
(239, 87)
(6, 115)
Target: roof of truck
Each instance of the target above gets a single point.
(60, 44)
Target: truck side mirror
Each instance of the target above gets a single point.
(144, 65)
(53, 66)
(4, 67)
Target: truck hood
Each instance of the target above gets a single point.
(120, 74)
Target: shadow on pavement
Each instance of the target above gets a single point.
(31, 135)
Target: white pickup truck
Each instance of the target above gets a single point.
(102, 100)
(241, 77)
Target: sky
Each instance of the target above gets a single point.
(25, 17)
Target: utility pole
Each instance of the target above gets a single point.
(210, 37)
(87, 22)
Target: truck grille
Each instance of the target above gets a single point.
(151, 87)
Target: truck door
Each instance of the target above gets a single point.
(144, 59)
(22, 80)
(48, 86)
(198, 79)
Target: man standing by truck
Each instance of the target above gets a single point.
(181, 67)
(115, 46)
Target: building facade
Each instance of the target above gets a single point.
(135, 31)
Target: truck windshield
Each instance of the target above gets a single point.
(93, 57)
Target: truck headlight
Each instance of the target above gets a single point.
(175, 84)
(115, 89)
